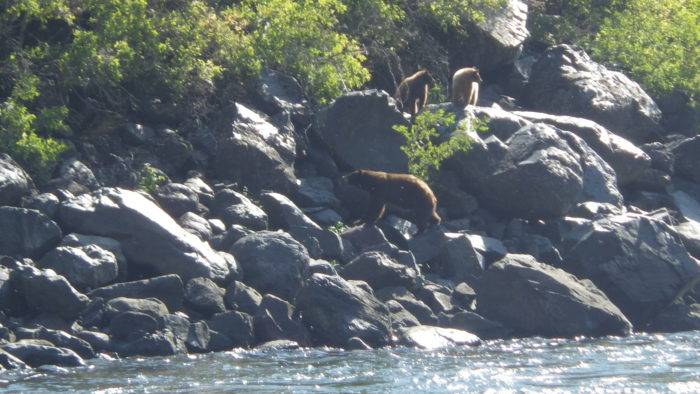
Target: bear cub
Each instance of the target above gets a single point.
(403, 190)
(465, 86)
(413, 91)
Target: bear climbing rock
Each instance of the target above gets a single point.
(403, 190)
(413, 91)
(465, 86)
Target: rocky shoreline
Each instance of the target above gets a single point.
(580, 219)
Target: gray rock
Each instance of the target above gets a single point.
(379, 271)
(639, 262)
(317, 192)
(428, 337)
(198, 337)
(273, 262)
(334, 311)
(148, 235)
(277, 345)
(463, 296)
(149, 306)
(320, 267)
(495, 41)
(265, 154)
(84, 267)
(413, 305)
(357, 127)
(46, 291)
(628, 161)
(167, 288)
(677, 317)
(690, 233)
(75, 177)
(535, 299)
(237, 326)
(159, 343)
(687, 158)
(8, 361)
(229, 237)
(14, 182)
(281, 93)
(205, 193)
(539, 172)
(26, 232)
(197, 225)
(132, 324)
(275, 319)
(204, 296)
(109, 244)
(99, 341)
(566, 81)
(177, 199)
(438, 298)
(46, 203)
(400, 317)
(285, 215)
(243, 298)
(61, 339)
(235, 208)
(478, 325)
(40, 352)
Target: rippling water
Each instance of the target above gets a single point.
(665, 363)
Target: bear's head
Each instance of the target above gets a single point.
(476, 76)
(359, 178)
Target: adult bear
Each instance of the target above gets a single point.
(413, 91)
(465, 86)
(404, 190)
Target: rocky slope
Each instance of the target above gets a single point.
(576, 213)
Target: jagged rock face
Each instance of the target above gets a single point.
(365, 119)
(148, 236)
(628, 161)
(335, 310)
(272, 262)
(539, 172)
(494, 42)
(687, 158)
(256, 154)
(639, 262)
(566, 81)
(536, 299)
(14, 182)
(26, 232)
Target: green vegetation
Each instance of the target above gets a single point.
(150, 178)
(656, 43)
(424, 153)
(338, 228)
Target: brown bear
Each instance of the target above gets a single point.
(413, 91)
(403, 190)
(465, 86)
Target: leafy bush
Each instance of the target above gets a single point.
(150, 178)
(656, 41)
(424, 153)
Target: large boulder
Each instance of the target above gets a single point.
(167, 288)
(276, 319)
(84, 267)
(204, 296)
(539, 172)
(335, 310)
(628, 161)
(177, 199)
(46, 291)
(14, 182)
(37, 352)
(639, 262)
(285, 215)
(148, 235)
(566, 81)
(495, 41)
(108, 244)
(256, 154)
(235, 208)
(357, 128)
(379, 270)
(536, 299)
(26, 232)
(272, 262)
(74, 176)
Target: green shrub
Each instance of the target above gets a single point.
(656, 41)
(424, 153)
(150, 178)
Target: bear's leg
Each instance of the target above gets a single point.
(375, 210)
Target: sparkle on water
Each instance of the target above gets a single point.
(648, 363)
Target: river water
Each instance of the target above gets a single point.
(640, 363)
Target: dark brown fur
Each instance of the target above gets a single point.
(403, 190)
(413, 91)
